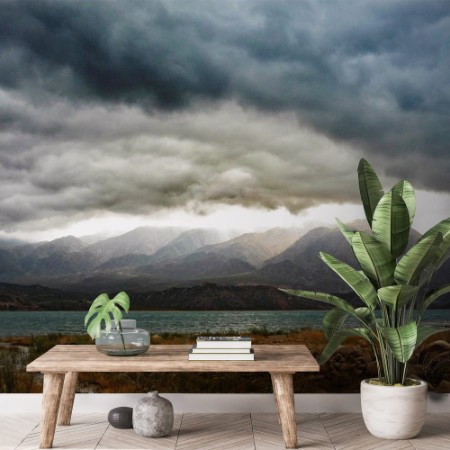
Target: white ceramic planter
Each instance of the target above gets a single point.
(394, 412)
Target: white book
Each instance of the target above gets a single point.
(195, 349)
(222, 356)
(224, 342)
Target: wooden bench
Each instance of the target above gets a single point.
(61, 365)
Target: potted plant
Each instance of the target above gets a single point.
(393, 287)
(118, 337)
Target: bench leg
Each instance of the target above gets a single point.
(283, 388)
(68, 397)
(53, 384)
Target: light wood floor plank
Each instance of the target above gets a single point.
(14, 429)
(128, 440)
(222, 432)
(215, 431)
(85, 432)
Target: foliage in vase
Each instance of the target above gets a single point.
(393, 283)
(104, 309)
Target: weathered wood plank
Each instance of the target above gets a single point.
(53, 384)
(283, 388)
(68, 397)
(85, 358)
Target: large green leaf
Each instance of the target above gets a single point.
(333, 321)
(346, 231)
(398, 295)
(370, 188)
(391, 223)
(424, 333)
(102, 309)
(374, 258)
(406, 192)
(419, 263)
(336, 339)
(430, 297)
(442, 227)
(356, 280)
(401, 340)
(325, 298)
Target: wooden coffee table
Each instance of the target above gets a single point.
(61, 365)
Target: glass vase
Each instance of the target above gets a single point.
(126, 341)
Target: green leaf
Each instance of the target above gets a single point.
(442, 227)
(419, 263)
(101, 310)
(374, 258)
(365, 314)
(355, 279)
(430, 297)
(391, 223)
(333, 321)
(397, 296)
(370, 188)
(346, 231)
(335, 318)
(406, 192)
(325, 298)
(424, 333)
(336, 339)
(401, 340)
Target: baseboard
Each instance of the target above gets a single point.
(212, 403)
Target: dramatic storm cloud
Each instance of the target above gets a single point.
(136, 107)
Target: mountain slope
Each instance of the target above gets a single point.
(187, 242)
(255, 248)
(143, 240)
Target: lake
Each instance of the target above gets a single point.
(22, 323)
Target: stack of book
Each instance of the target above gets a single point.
(222, 348)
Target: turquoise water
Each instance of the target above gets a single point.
(21, 323)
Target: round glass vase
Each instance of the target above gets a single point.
(127, 341)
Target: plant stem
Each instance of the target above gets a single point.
(119, 327)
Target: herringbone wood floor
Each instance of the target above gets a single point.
(221, 432)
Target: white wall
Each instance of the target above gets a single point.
(310, 403)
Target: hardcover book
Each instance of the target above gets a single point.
(223, 342)
(222, 356)
(196, 349)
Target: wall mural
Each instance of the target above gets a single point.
(195, 155)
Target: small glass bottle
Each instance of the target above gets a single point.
(126, 341)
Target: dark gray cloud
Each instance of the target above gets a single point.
(84, 84)
(372, 72)
(121, 160)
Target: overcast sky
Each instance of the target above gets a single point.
(247, 114)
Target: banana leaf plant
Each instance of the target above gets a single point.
(104, 309)
(392, 285)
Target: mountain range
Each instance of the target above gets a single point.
(155, 259)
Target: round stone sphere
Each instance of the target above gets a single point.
(153, 416)
(121, 417)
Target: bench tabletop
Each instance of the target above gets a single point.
(172, 358)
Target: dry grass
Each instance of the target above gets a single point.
(343, 373)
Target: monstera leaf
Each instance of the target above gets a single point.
(102, 309)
